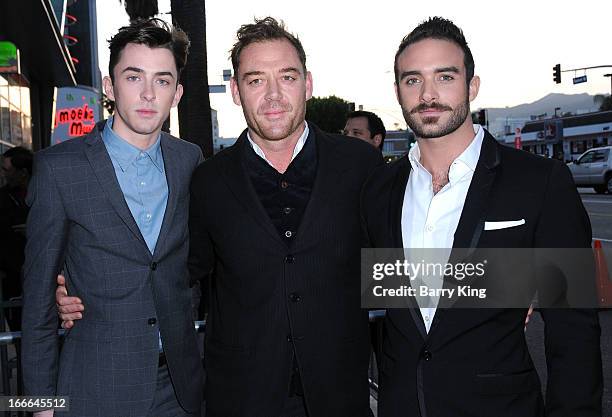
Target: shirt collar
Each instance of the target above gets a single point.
(469, 157)
(298, 146)
(125, 153)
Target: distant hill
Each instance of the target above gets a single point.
(517, 115)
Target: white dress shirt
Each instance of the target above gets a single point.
(430, 221)
(298, 146)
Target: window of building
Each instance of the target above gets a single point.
(15, 111)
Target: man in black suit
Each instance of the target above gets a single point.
(285, 333)
(459, 188)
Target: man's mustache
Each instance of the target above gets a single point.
(275, 106)
(435, 106)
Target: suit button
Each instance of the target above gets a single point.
(289, 259)
(294, 297)
(152, 321)
(284, 185)
(289, 338)
(153, 266)
(427, 355)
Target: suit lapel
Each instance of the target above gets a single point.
(330, 165)
(105, 173)
(471, 222)
(237, 179)
(398, 192)
(171, 168)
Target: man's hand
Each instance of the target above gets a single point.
(69, 308)
(46, 413)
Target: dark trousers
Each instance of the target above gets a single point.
(165, 403)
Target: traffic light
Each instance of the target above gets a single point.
(557, 73)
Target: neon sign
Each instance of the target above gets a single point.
(77, 109)
(80, 120)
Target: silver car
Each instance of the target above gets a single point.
(594, 169)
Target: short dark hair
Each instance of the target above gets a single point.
(375, 125)
(442, 29)
(266, 29)
(154, 33)
(21, 158)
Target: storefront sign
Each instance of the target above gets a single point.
(77, 109)
(9, 57)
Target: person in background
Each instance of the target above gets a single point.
(16, 172)
(367, 126)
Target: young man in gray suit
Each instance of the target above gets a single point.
(110, 211)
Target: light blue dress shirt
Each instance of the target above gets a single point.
(142, 179)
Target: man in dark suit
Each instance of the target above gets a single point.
(110, 210)
(285, 333)
(459, 188)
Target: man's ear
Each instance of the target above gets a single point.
(474, 87)
(235, 91)
(108, 87)
(177, 95)
(308, 85)
(377, 139)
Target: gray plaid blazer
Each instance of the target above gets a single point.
(80, 223)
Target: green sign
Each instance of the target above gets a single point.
(8, 56)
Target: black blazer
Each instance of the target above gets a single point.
(475, 362)
(266, 297)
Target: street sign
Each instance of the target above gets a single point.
(581, 79)
(220, 88)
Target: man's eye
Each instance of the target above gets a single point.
(163, 82)
(446, 77)
(133, 78)
(412, 81)
(288, 78)
(256, 81)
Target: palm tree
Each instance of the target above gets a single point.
(195, 122)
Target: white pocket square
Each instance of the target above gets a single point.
(503, 224)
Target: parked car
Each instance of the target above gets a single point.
(594, 169)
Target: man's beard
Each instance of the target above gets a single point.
(427, 128)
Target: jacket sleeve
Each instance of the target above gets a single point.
(572, 336)
(47, 233)
(201, 254)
